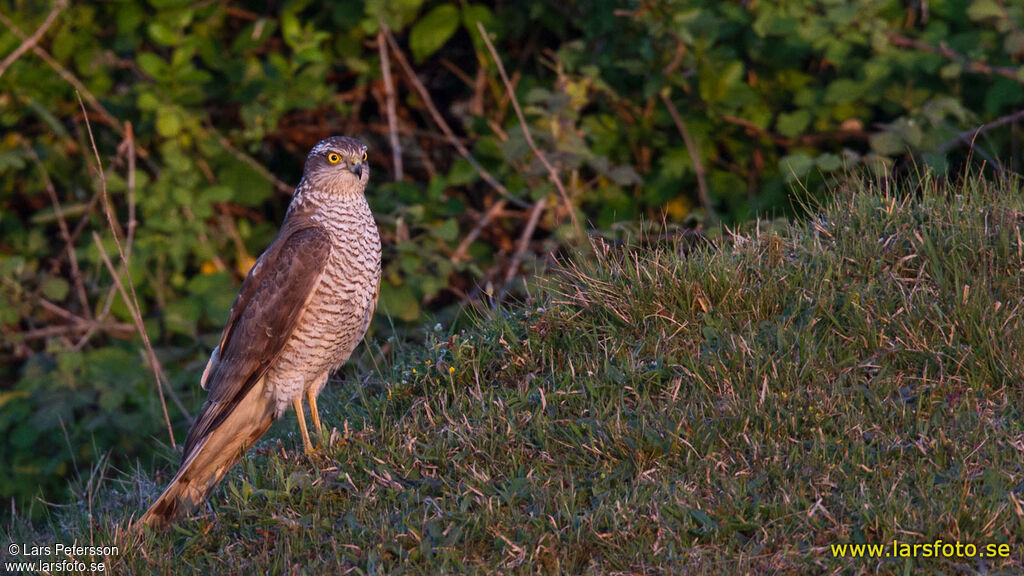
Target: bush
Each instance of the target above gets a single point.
(203, 113)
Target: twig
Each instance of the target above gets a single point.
(133, 302)
(190, 217)
(389, 93)
(67, 315)
(698, 165)
(244, 259)
(63, 329)
(978, 66)
(31, 41)
(252, 162)
(489, 215)
(126, 147)
(552, 173)
(78, 323)
(65, 233)
(803, 139)
(439, 120)
(972, 149)
(524, 240)
(129, 145)
(70, 78)
(967, 136)
(141, 329)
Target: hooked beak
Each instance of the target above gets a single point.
(357, 169)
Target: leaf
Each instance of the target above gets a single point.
(936, 162)
(1014, 43)
(148, 101)
(829, 162)
(12, 159)
(984, 9)
(167, 122)
(55, 289)
(909, 130)
(1003, 93)
(794, 123)
(625, 175)
(461, 173)
(254, 35)
(951, 71)
(180, 316)
(163, 34)
(432, 31)
(447, 231)
(398, 301)
(795, 166)
(476, 13)
(472, 14)
(843, 90)
(152, 64)
(887, 143)
(10, 395)
(248, 187)
(717, 79)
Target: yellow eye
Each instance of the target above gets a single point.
(333, 158)
(364, 156)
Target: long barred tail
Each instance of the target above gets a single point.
(211, 456)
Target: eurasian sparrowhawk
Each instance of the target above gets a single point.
(303, 308)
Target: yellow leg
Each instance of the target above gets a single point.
(313, 410)
(306, 444)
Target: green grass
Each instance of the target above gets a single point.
(732, 408)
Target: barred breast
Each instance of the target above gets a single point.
(339, 311)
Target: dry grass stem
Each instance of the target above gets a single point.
(389, 93)
(691, 149)
(31, 41)
(524, 241)
(131, 301)
(552, 173)
(463, 247)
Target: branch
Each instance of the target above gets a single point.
(967, 136)
(129, 148)
(65, 233)
(70, 78)
(978, 66)
(489, 215)
(524, 242)
(698, 165)
(802, 140)
(555, 179)
(460, 252)
(279, 184)
(439, 120)
(389, 94)
(133, 302)
(30, 42)
(116, 328)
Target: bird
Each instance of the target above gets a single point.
(300, 312)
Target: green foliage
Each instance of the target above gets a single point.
(433, 30)
(203, 112)
(855, 377)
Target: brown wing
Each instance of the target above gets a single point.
(262, 320)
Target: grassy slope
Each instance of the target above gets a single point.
(854, 378)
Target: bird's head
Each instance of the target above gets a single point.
(338, 163)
